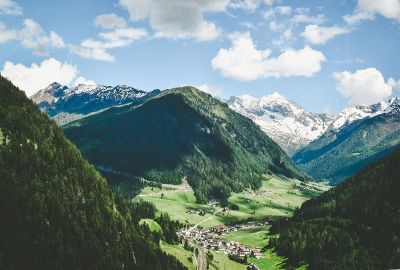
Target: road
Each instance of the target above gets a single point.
(202, 262)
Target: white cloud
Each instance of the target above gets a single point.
(9, 7)
(210, 89)
(243, 61)
(177, 18)
(38, 76)
(271, 2)
(287, 34)
(248, 25)
(125, 35)
(119, 36)
(272, 12)
(82, 80)
(363, 87)
(305, 18)
(33, 36)
(316, 34)
(250, 5)
(284, 10)
(285, 20)
(110, 21)
(6, 34)
(368, 9)
(97, 49)
(274, 26)
(91, 53)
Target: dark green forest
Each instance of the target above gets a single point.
(56, 210)
(353, 226)
(182, 133)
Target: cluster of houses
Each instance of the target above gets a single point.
(211, 238)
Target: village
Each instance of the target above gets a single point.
(212, 239)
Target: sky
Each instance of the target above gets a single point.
(325, 55)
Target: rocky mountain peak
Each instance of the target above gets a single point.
(285, 121)
(84, 99)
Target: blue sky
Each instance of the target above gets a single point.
(325, 55)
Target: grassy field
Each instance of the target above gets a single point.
(253, 237)
(257, 237)
(221, 262)
(180, 253)
(276, 197)
(271, 261)
(154, 226)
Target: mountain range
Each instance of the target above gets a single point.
(327, 147)
(358, 136)
(285, 121)
(182, 133)
(85, 99)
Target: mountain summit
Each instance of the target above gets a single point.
(285, 121)
(84, 99)
(183, 133)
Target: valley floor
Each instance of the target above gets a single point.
(276, 198)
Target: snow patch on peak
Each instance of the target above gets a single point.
(352, 114)
(283, 120)
(84, 88)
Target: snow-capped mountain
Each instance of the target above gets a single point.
(358, 136)
(86, 99)
(285, 121)
(353, 115)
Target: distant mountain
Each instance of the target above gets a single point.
(285, 121)
(85, 99)
(179, 133)
(57, 212)
(353, 226)
(358, 136)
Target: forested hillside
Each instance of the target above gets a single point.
(340, 153)
(56, 211)
(353, 226)
(183, 133)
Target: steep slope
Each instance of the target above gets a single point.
(353, 226)
(285, 121)
(57, 212)
(85, 99)
(182, 132)
(358, 136)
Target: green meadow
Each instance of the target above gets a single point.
(277, 197)
(181, 254)
(153, 226)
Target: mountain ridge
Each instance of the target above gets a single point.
(285, 121)
(85, 99)
(182, 132)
